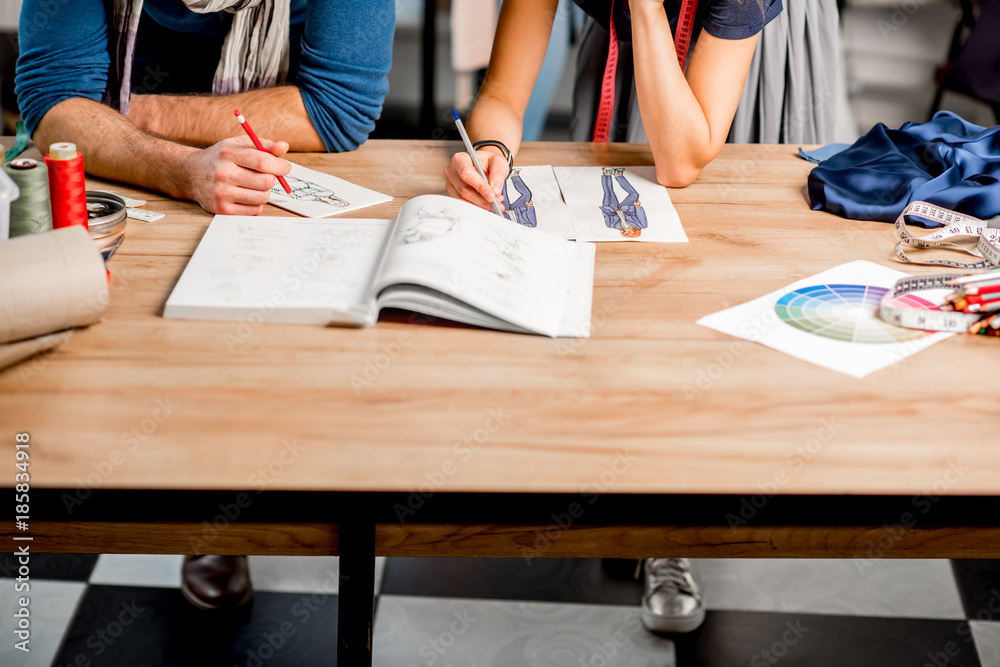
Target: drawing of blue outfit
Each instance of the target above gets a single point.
(626, 216)
(521, 211)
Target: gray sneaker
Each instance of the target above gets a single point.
(671, 601)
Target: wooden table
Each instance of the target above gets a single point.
(654, 437)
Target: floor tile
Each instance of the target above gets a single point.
(50, 608)
(64, 567)
(156, 627)
(543, 580)
(905, 588)
(979, 586)
(987, 642)
(760, 639)
(490, 633)
(302, 574)
(138, 570)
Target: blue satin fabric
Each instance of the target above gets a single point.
(948, 162)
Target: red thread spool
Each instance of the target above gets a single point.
(67, 186)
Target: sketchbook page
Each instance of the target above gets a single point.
(519, 275)
(531, 198)
(619, 204)
(829, 319)
(319, 195)
(283, 270)
(433, 303)
(575, 321)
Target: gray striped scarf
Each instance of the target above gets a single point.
(254, 53)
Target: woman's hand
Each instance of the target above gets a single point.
(464, 182)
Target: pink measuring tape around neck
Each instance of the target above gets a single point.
(682, 44)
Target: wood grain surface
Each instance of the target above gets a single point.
(866, 543)
(651, 403)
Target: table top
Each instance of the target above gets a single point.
(139, 402)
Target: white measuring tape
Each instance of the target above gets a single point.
(955, 224)
(921, 318)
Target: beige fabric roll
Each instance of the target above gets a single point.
(12, 353)
(49, 282)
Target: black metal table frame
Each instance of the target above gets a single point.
(356, 516)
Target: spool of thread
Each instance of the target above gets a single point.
(29, 213)
(67, 186)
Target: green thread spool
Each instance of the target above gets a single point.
(30, 213)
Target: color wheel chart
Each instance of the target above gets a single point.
(847, 313)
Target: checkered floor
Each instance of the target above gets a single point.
(127, 611)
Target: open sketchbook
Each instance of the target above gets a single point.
(440, 257)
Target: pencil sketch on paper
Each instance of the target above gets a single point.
(308, 191)
(521, 210)
(625, 215)
(427, 225)
(229, 291)
(252, 238)
(510, 256)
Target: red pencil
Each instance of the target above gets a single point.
(256, 142)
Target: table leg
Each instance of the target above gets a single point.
(356, 602)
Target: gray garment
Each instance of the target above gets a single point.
(791, 90)
(790, 95)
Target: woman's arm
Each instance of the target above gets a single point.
(686, 119)
(519, 46)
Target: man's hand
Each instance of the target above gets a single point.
(464, 182)
(234, 178)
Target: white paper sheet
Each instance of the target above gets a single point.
(829, 319)
(532, 199)
(282, 270)
(319, 195)
(619, 204)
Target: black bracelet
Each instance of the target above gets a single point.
(498, 144)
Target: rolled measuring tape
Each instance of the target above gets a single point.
(954, 224)
(922, 317)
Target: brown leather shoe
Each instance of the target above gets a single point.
(216, 582)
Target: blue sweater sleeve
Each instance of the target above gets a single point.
(343, 75)
(64, 54)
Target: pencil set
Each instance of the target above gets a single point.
(977, 294)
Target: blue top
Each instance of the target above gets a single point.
(342, 73)
(725, 19)
(947, 161)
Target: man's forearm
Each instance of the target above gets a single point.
(277, 114)
(115, 148)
